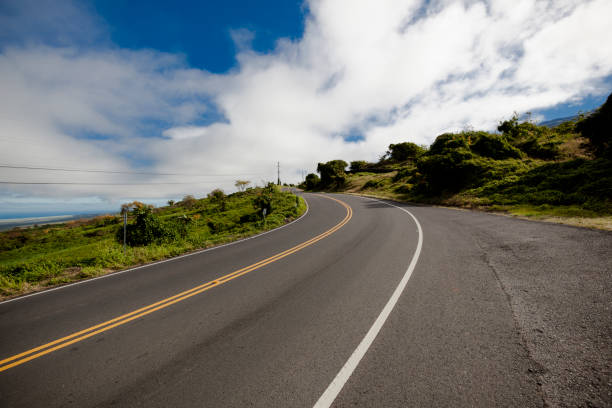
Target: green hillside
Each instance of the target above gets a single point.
(526, 169)
(47, 255)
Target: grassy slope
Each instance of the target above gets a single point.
(49, 255)
(572, 187)
(565, 214)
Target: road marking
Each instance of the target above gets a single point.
(47, 348)
(345, 372)
(108, 275)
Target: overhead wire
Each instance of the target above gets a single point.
(8, 166)
(104, 184)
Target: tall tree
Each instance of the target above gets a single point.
(241, 185)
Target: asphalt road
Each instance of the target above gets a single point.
(497, 312)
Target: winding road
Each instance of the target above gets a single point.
(358, 303)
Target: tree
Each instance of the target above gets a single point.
(170, 203)
(126, 207)
(404, 151)
(332, 173)
(597, 127)
(241, 185)
(188, 201)
(312, 181)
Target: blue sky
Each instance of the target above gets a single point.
(199, 94)
(200, 30)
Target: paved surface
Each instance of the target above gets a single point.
(498, 312)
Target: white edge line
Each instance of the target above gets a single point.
(108, 275)
(346, 371)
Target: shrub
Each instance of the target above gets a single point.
(493, 146)
(546, 151)
(263, 201)
(372, 184)
(448, 142)
(449, 164)
(148, 228)
(403, 174)
(358, 165)
(404, 189)
(188, 201)
(217, 226)
(216, 195)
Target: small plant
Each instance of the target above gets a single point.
(188, 201)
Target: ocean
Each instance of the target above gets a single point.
(37, 219)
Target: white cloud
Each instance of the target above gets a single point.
(398, 70)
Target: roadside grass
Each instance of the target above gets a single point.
(50, 255)
(580, 196)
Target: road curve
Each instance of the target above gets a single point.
(497, 312)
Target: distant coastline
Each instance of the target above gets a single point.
(22, 222)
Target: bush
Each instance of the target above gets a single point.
(449, 164)
(493, 146)
(449, 142)
(372, 184)
(188, 201)
(576, 182)
(358, 165)
(546, 151)
(263, 201)
(148, 228)
(216, 196)
(403, 174)
(217, 226)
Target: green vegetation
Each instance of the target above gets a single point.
(332, 174)
(597, 128)
(526, 169)
(54, 254)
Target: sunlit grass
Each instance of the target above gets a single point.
(35, 258)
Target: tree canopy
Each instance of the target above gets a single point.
(332, 173)
(404, 151)
(597, 127)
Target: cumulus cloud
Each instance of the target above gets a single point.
(399, 70)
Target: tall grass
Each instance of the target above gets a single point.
(44, 256)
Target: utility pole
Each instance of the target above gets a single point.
(124, 230)
(278, 172)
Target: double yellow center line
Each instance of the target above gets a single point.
(54, 345)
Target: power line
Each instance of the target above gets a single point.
(104, 184)
(7, 166)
